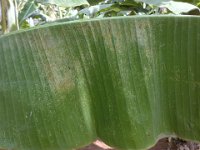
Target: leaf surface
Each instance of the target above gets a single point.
(125, 80)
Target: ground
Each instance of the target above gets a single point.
(163, 144)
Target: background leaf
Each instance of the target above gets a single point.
(158, 2)
(180, 7)
(94, 2)
(27, 10)
(64, 3)
(153, 2)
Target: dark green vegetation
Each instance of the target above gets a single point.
(38, 12)
(126, 80)
(79, 10)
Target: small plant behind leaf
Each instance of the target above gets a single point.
(26, 11)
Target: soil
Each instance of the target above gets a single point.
(163, 144)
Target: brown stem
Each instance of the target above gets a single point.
(3, 15)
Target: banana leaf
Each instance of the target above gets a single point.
(126, 80)
(27, 10)
(64, 3)
(156, 2)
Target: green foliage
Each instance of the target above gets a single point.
(27, 10)
(111, 8)
(64, 3)
(123, 8)
(38, 12)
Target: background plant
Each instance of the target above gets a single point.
(39, 12)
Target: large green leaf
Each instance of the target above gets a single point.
(127, 81)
